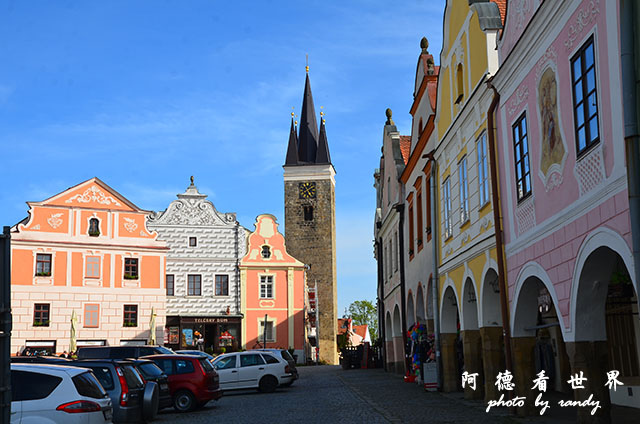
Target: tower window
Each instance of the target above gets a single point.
(94, 227)
(266, 252)
(308, 213)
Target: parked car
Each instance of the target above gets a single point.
(192, 380)
(120, 352)
(39, 360)
(284, 354)
(252, 369)
(125, 387)
(197, 353)
(43, 393)
(151, 372)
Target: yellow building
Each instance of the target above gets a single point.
(469, 303)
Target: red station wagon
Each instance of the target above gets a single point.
(192, 380)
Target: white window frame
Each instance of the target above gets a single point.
(271, 282)
(446, 205)
(91, 276)
(464, 190)
(483, 177)
(273, 323)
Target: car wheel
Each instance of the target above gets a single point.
(268, 384)
(184, 401)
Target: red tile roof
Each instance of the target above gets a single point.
(405, 147)
(502, 6)
(342, 325)
(361, 330)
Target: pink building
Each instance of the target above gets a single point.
(564, 199)
(86, 250)
(273, 285)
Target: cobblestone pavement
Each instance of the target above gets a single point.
(328, 394)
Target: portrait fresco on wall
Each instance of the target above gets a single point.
(552, 146)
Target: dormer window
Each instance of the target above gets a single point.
(94, 227)
(266, 252)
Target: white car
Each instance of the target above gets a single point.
(48, 394)
(252, 370)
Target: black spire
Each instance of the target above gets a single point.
(292, 150)
(308, 139)
(323, 156)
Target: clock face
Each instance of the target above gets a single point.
(307, 190)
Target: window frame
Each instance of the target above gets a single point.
(191, 285)
(91, 231)
(91, 260)
(463, 188)
(193, 242)
(44, 259)
(173, 284)
(271, 335)
(483, 167)
(131, 269)
(446, 205)
(39, 317)
(521, 147)
(129, 316)
(585, 94)
(87, 323)
(268, 281)
(265, 252)
(223, 284)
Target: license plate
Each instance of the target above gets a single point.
(108, 414)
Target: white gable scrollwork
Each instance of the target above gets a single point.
(191, 212)
(93, 194)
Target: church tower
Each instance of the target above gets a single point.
(310, 217)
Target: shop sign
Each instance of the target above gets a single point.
(208, 320)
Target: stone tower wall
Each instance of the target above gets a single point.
(314, 243)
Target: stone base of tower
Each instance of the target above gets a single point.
(329, 351)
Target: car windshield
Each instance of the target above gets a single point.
(103, 374)
(206, 365)
(132, 377)
(87, 385)
(163, 350)
(286, 355)
(150, 370)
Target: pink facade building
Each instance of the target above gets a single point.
(564, 200)
(272, 286)
(86, 251)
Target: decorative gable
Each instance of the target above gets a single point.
(93, 194)
(267, 238)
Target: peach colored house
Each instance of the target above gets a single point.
(273, 284)
(86, 250)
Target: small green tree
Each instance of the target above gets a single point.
(365, 312)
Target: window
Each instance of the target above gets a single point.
(26, 385)
(266, 252)
(464, 190)
(170, 281)
(194, 285)
(419, 229)
(308, 213)
(483, 179)
(88, 385)
(390, 256)
(91, 315)
(427, 172)
(184, 366)
(225, 363)
(585, 98)
(270, 332)
(41, 315)
(394, 257)
(410, 219)
(251, 360)
(94, 227)
(460, 83)
(193, 241)
(130, 268)
(43, 265)
(446, 202)
(270, 359)
(92, 267)
(266, 286)
(130, 316)
(521, 151)
(222, 285)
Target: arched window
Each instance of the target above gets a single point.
(94, 227)
(266, 252)
(460, 83)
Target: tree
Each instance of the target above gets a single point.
(365, 312)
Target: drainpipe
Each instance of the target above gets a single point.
(504, 303)
(381, 312)
(403, 301)
(237, 270)
(628, 48)
(435, 290)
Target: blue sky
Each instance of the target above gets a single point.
(143, 94)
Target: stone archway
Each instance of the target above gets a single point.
(471, 340)
(493, 360)
(388, 340)
(411, 310)
(449, 346)
(398, 351)
(606, 330)
(420, 315)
